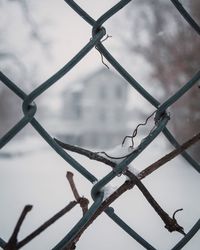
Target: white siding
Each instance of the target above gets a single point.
(98, 110)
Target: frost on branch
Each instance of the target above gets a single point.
(118, 153)
(133, 170)
(108, 190)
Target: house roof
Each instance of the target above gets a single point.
(78, 86)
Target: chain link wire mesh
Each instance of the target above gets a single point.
(161, 119)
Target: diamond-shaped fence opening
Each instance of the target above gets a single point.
(118, 164)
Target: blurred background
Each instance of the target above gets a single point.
(94, 107)
(156, 46)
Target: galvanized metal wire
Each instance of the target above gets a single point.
(161, 119)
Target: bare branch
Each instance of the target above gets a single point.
(170, 223)
(72, 185)
(91, 155)
(81, 200)
(178, 210)
(147, 171)
(83, 204)
(12, 243)
(46, 225)
(34, 27)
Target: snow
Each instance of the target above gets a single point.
(117, 153)
(108, 190)
(133, 170)
(27, 145)
(37, 176)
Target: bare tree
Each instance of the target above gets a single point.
(11, 63)
(170, 45)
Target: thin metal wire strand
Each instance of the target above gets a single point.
(149, 98)
(111, 59)
(125, 162)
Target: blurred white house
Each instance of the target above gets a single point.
(94, 111)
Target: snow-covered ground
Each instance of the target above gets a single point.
(35, 174)
(32, 173)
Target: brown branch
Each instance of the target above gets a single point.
(147, 171)
(12, 243)
(170, 223)
(92, 156)
(81, 200)
(46, 225)
(123, 188)
(82, 151)
(72, 185)
(83, 204)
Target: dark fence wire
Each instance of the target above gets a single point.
(161, 120)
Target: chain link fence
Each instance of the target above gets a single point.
(161, 119)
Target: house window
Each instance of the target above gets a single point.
(118, 92)
(76, 103)
(102, 92)
(118, 116)
(77, 111)
(102, 115)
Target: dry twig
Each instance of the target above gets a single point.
(83, 204)
(81, 200)
(170, 223)
(48, 223)
(147, 171)
(12, 243)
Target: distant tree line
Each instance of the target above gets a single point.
(12, 58)
(171, 46)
